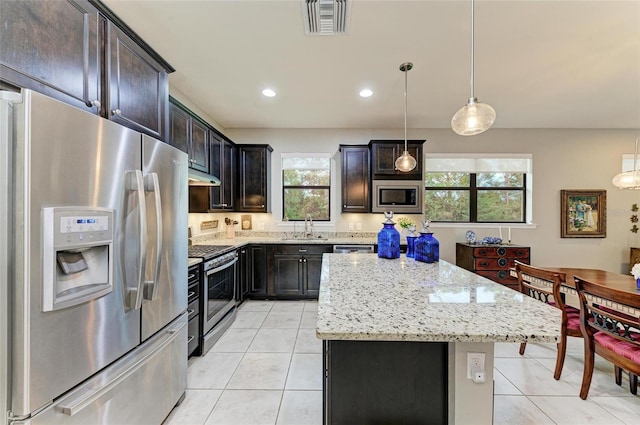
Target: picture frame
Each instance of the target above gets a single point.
(583, 213)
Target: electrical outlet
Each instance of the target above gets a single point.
(260, 226)
(475, 362)
(358, 226)
(350, 226)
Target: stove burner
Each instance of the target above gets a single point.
(207, 251)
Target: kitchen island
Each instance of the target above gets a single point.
(397, 332)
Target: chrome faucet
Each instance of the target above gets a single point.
(308, 226)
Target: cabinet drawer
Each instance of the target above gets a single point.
(193, 308)
(192, 335)
(194, 275)
(501, 251)
(500, 263)
(502, 277)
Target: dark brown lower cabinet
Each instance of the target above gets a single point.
(253, 275)
(294, 270)
(385, 382)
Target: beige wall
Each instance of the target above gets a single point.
(562, 159)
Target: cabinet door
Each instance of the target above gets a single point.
(287, 269)
(179, 128)
(199, 148)
(384, 155)
(242, 286)
(228, 173)
(312, 268)
(138, 86)
(254, 178)
(355, 179)
(257, 269)
(215, 164)
(53, 47)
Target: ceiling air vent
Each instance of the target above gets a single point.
(325, 17)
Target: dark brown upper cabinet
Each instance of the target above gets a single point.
(356, 176)
(383, 157)
(138, 85)
(223, 167)
(254, 178)
(190, 135)
(79, 52)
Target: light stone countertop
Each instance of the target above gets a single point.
(363, 297)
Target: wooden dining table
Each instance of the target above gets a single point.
(619, 281)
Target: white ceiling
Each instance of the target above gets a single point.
(540, 64)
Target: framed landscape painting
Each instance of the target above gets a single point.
(583, 213)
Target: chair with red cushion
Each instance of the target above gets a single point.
(611, 334)
(532, 286)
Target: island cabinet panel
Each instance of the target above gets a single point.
(294, 270)
(356, 176)
(492, 261)
(385, 382)
(383, 158)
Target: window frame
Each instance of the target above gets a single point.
(302, 187)
(473, 189)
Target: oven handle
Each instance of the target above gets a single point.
(151, 286)
(222, 267)
(136, 184)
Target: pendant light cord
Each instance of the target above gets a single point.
(472, 47)
(405, 110)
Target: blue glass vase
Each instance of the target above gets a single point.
(411, 241)
(388, 239)
(427, 248)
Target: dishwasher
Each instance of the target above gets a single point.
(351, 249)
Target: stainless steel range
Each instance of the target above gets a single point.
(218, 292)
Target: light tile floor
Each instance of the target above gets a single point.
(267, 369)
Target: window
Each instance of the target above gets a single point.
(306, 186)
(478, 189)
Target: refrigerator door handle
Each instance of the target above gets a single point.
(136, 185)
(151, 286)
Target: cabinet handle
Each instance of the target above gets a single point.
(191, 294)
(344, 206)
(304, 260)
(190, 338)
(502, 251)
(189, 277)
(192, 160)
(299, 260)
(302, 250)
(116, 112)
(484, 263)
(262, 206)
(189, 311)
(502, 262)
(95, 103)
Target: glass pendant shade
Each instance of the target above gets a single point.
(629, 179)
(405, 162)
(473, 118)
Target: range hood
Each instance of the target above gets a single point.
(198, 178)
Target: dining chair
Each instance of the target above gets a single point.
(550, 295)
(608, 332)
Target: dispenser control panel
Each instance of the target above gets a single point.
(77, 224)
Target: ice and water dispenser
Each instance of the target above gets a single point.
(78, 256)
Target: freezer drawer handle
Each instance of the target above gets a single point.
(190, 338)
(151, 286)
(90, 396)
(136, 184)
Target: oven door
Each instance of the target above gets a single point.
(219, 293)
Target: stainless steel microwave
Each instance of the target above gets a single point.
(399, 196)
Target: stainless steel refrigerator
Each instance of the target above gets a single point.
(94, 228)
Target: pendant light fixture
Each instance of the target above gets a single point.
(474, 117)
(405, 162)
(629, 179)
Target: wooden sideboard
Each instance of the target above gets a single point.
(492, 261)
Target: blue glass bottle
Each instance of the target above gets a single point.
(411, 241)
(388, 239)
(427, 248)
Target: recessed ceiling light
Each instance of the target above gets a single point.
(268, 92)
(365, 93)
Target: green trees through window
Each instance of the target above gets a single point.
(306, 186)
